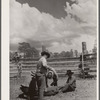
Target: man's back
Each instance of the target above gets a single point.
(41, 65)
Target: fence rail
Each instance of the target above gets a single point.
(60, 64)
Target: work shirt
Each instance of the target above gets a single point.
(72, 82)
(42, 66)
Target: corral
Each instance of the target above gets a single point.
(86, 88)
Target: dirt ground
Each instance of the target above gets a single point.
(86, 89)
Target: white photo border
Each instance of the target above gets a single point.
(5, 80)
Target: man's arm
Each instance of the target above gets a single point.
(46, 82)
(52, 69)
(44, 62)
(72, 81)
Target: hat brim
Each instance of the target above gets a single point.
(45, 53)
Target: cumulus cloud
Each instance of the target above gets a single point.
(85, 10)
(28, 24)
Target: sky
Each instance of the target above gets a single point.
(60, 25)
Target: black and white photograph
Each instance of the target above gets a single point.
(53, 49)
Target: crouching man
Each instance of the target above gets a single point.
(70, 83)
(52, 75)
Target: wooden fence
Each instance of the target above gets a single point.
(60, 64)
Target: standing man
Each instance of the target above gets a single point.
(19, 67)
(41, 72)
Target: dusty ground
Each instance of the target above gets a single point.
(86, 89)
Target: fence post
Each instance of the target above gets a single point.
(84, 51)
(82, 60)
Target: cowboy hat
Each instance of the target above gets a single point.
(45, 53)
(69, 72)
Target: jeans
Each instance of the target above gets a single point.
(67, 88)
(40, 78)
(32, 92)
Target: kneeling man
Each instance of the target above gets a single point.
(52, 75)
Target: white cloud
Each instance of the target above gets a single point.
(86, 10)
(28, 23)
